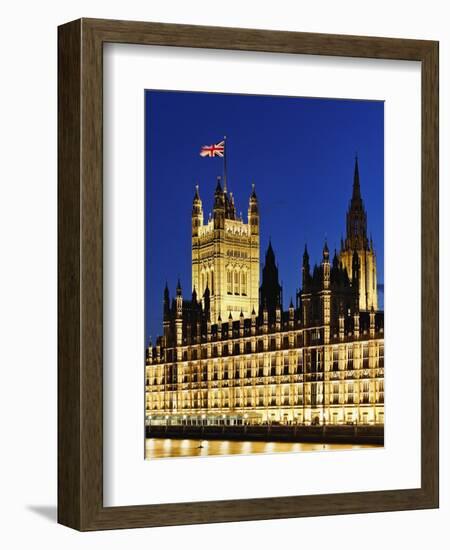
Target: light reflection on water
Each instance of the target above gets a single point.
(166, 448)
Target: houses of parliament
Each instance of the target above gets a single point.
(231, 355)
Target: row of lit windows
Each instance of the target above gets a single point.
(237, 254)
(257, 377)
(237, 281)
(334, 388)
(264, 365)
(273, 343)
(254, 383)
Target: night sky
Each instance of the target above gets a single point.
(300, 152)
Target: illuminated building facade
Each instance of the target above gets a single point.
(321, 361)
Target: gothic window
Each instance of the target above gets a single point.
(365, 398)
(260, 398)
(307, 361)
(244, 283)
(202, 289)
(350, 395)
(381, 356)
(335, 359)
(236, 282)
(335, 398)
(273, 396)
(249, 398)
(350, 358)
(229, 281)
(212, 283)
(380, 391)
(365, 356)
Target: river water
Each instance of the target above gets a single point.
(165, 448)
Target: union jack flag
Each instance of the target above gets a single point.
(217, 150)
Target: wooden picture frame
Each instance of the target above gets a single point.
(80, 272)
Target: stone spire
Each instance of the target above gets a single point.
(356, 217)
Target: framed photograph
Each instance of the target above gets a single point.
(248, 274)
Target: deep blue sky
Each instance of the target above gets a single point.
(299, 152)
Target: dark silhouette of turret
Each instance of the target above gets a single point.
(306, 277)
(335, 264)
(270, 292)
(207, 302)
(230, 208)
(166, 302)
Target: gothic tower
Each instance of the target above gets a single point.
(356, 241)
(225, 255)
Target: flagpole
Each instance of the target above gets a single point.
(225, 163)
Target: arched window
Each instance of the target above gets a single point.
(229, 281)
(212, 283)
(244, 283)
(236, 282)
